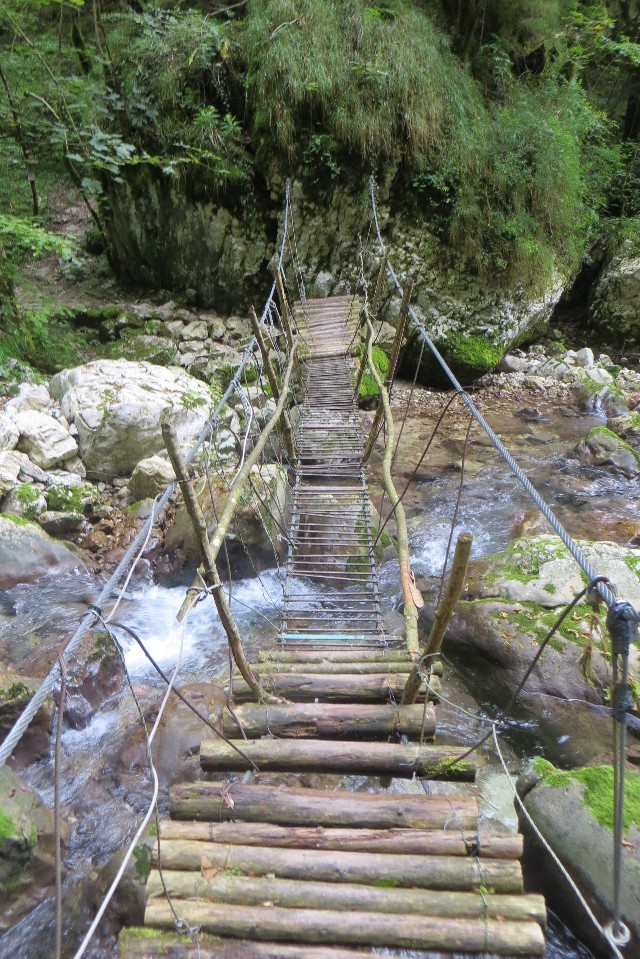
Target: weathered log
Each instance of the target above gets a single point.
(156, 944)
(425, 872)
(291, 807)
(341, 756)
(254, 891)
(334, 720)
(424, 842)
(352, 655)
(355, 928)
(352, 668)
(342, 687)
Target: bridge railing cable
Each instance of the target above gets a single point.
(580, 558)
(622, 618)
(135, 550)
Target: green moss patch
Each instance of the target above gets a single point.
(598, 790)
(368, 386)
(18, 520)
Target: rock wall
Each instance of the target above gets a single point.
(167, 235)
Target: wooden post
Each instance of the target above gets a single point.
(393, 366)
(287, 322)
(242, 478)
(377, 293)
(443, 613)
(273, 383)
(209, 569)
(412, 597)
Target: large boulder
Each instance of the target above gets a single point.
(615, 303)
(602, 447)
(27, 553)
(118, 408)
(574, 812)
(511, 601)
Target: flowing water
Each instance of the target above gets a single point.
(105, 781)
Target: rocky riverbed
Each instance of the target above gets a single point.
(82, 458)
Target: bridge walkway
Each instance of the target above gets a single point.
(312, 857)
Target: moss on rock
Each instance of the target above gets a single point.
(598, 790)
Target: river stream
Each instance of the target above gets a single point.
(105, 782)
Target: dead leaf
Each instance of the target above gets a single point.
(267, 903)
(209, 871)
(227, 799)
(628, 845)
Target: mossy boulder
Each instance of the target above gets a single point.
(604, 448)
(512, 600)
(573, 809)
(468, 355)
(24, 819)
(27, 552)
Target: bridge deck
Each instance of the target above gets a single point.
(312, 855)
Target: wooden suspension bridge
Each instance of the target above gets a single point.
(312, 857)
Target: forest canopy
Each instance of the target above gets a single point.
(513, 128)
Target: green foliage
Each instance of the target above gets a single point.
(42, 338)
(28, 496)
(24, 237)
(380, 82)
(70, 499)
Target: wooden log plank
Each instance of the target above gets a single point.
(353, 669)
(353, 655)
(338, 688)
(334, 720)
(256, 890)
(355, 928)
(149, 943)
(330, 756)
(291, 807)
(424, 872)
(423, 842)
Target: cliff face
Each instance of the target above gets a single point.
(168, 237)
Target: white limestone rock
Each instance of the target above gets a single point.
(44, 439)
(31, 396)
(11, 462)
(9, 434)
(150, 477)
(118, 407)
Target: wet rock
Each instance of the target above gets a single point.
(9, 434)
(601, 447)
(564, 810)
(180, 553)
(512, 364)
(150, 477)
(27, 553)
(44, 439)
(119, 406)
(16, 691)
(24, 821)
(57, 523)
